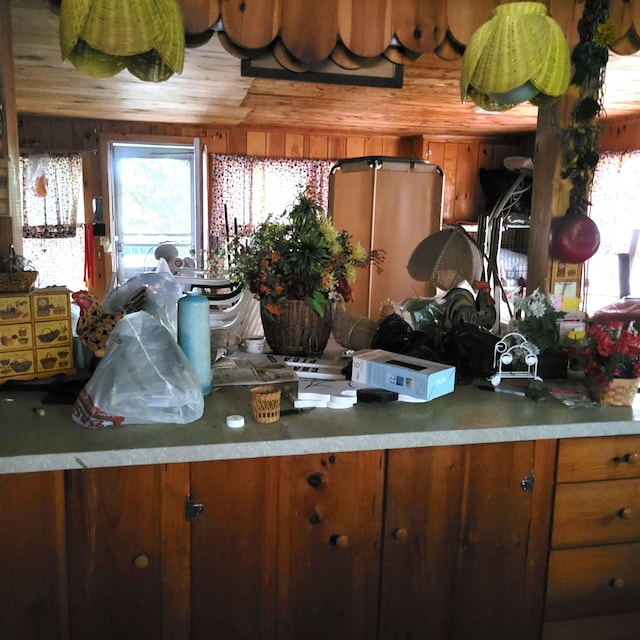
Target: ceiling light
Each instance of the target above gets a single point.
(519, 55)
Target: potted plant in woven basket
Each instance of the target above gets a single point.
(609, 355)
(297, 265)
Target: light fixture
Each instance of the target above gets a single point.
(519, 55)
(103, 37)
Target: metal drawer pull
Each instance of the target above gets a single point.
(617, 583)
(629, 458)
(400, 534)
(625, 513)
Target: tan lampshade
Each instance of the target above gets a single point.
(519, 55)
(445, 259)
(103, 37)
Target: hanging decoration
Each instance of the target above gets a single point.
(519, 55)
(574, 236)
(103, 37)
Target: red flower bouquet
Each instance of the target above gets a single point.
(609, 351)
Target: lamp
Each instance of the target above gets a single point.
(519, 55)
(103, 37)
(445, 259)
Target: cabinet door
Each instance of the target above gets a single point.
(234, 549)
(329, 529)
(32, 587)
(128, 557)
(464, 545)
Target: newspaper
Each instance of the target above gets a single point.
(245, 371)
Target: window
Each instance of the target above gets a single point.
(616, 190)
(53, 218)
(245, 189)
(154, 191)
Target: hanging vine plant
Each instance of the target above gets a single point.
(574, 236)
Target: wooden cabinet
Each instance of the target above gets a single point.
(593, 586)
(418, 543)
(465, 541)
(32, 556)
(128, 559)
(287, 547)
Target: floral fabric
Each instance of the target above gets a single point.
(246, 189)
(51, 188)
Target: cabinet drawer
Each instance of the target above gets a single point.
(596, 513)
(623, 626)
(582, 459)
(593, 581)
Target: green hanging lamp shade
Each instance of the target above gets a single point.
(103, 37)
(519, 55)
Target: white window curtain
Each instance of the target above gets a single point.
(51, 189)
(614, 198)
(247, 189)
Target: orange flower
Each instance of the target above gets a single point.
(273, 308)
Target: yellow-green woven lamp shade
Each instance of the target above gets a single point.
(520, 54)
(103, 37)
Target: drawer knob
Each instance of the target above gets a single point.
(339, 541)
(617, 583)
(141, 561)
(625, 513)
(629, 458)
(400, 534)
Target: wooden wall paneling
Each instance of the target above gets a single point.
(309, 28)
(355, 147)
(373, 147)
(217, 140)
(237, 142)
(420, 25)
(434, 153)
(276, 144)
(318, 146)
(337, 147)
(449, 166)
(466, 180)
(365, 27)
(294, 145)
(256, 143)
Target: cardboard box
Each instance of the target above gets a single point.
(404, 374)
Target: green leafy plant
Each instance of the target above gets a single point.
(536, 319)
(300, 256)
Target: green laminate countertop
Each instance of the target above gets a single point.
(33, 442)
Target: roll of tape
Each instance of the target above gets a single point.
(235, 422)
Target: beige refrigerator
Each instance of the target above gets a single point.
(390, 204)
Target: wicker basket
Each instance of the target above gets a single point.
(17, 281)
(298, 331)
(352, 331)
(620, 392)
(265, 403)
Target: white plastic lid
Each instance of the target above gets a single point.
(235, 422)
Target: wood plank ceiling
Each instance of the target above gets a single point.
(430, 36)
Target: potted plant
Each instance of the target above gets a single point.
(609, 355)
(536, 319)
(297, 265)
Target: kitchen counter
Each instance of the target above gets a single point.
(33, 442)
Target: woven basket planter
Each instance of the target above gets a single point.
(298, 330)
(620, 392)
(17, 281)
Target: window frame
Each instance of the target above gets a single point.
(199, 217)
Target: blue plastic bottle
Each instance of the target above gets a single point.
(194, 335)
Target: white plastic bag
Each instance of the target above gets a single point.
(144, 378)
